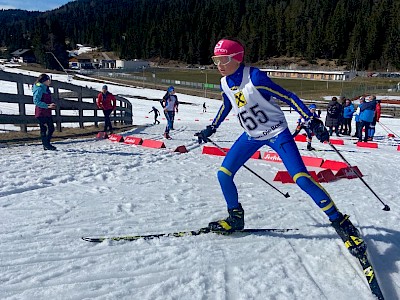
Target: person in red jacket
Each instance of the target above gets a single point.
(378, 110)
(106, 101)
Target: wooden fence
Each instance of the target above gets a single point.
(67, 96)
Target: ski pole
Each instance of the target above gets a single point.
(251, 171)
(386, 207)
(387, 129)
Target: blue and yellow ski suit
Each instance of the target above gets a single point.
(251, 94)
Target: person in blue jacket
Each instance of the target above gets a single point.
(367, 112)
(252, 95)
(377, 116)
(348, 111)
(357, 117)
(43, 107)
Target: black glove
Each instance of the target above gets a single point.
(205, 134)
(318, 128)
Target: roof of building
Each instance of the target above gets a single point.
(20, 52)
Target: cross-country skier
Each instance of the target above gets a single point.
(170, 105)
(251, 94)
(302, 123)
(156, 114)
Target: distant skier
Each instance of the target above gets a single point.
(204, 107)
(303, 124)
(251, 94)
(170, 105)
(156, 114)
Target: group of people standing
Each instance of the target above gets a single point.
(338, 118)
(340, 115)
(105, 101)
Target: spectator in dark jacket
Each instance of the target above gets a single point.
(107, 102)
(348, 112)
(334, 111)
(43, 106)
(342, 102)
(367, 112)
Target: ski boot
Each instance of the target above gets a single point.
(46, 143)
(350, 236)
(50, 147)
(234, 222)
(309, 147)
(167, 136)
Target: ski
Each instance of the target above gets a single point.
(331, 150)
(200, 231)
(363, 259)
(370, 276)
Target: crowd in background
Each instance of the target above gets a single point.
(340, 115)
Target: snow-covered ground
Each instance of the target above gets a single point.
(49, 200)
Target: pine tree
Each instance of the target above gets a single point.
(364, 33)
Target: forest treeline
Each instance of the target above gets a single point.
(362, 34)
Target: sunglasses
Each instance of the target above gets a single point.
(224, 59)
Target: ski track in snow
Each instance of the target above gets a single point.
(48, 200)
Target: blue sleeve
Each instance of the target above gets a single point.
(315, 115)
(269, 89)
(222, 112)
(37, 97)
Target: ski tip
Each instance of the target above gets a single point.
(93, 240)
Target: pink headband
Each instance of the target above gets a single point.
(228, 47)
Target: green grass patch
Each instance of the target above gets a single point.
(307, 89)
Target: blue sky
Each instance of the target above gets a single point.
(32, 4)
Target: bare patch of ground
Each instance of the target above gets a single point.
(33, 136)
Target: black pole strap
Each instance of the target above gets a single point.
(286, 195)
